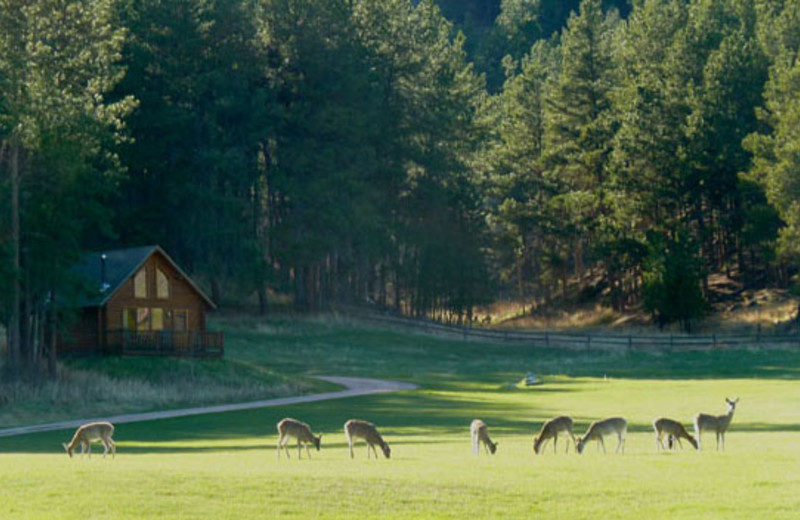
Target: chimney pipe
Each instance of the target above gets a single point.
(103, 284)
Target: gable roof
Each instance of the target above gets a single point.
(120, 265)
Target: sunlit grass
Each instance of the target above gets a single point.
(225, 465)
(220, 466)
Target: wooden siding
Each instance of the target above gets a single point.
(181, 296)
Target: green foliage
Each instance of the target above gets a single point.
(672, 282)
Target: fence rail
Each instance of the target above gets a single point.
(589, 341)
(191, 343)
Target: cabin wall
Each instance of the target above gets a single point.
(182, 299)
(83, 337)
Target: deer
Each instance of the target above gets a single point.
(598, 429)
(674, 432)
(480, 433)
(90, 432)
(292, 428)
(550, 430)
(358, 429)
(716, 423)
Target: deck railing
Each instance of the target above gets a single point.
(193, 343)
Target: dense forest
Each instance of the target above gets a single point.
(421, 156)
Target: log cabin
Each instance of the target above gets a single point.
(138, 301)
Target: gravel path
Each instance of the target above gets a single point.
(355, 386)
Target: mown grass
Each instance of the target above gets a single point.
(225, 466)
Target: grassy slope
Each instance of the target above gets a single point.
(224, 465)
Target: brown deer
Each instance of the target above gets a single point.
(358, 429)
(598, 429)
(717, 423)
(90, 432)
(674, 432)
(480, 433)
(292, 428)
(550, 430)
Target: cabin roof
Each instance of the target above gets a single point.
(120, 265)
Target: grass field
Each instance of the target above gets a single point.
(225, 465)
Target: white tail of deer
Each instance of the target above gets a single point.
(480, 434)
(357, 429)
(716, 423)
(90, 432)
(599, 429)
(550, 430)
(292, 428)
(673, 430)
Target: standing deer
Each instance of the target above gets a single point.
(299, 430)
(674, 432)
(480, 433)
(550, 430)
(598, 429)
(358, 429)
(716, 423)
(90, 432)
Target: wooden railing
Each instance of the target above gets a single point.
(191, 343)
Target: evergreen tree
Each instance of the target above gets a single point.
(58, 60)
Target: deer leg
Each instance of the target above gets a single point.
(350, 445)
(308, 452)
(601, 443)
(476, 449)
(299, 450)
(555, 444)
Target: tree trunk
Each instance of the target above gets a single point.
(14, 350)
(52, 343)
(263, 304)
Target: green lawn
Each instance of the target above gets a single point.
(225, 465)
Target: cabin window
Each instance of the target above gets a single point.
(140, 284)
(129, 319)
(181, 320)
(142, 318)
(157, 319)
(162, 285)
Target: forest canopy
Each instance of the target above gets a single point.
(421, 156)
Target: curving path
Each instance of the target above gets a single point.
(354, 386)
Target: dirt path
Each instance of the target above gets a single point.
(354, 386)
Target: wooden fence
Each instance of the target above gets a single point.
(591, 341)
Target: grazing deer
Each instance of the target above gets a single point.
(288, 428)
(90, 432)
(674, 432)
(550, 430)
(598, 429)
(480, 433)
(716, 423)
(357, 429)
